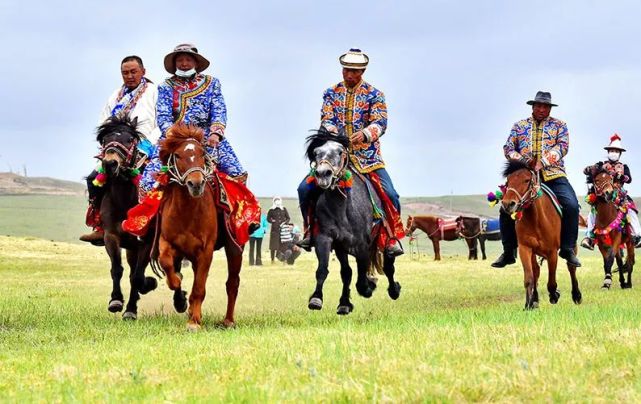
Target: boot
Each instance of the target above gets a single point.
(507, 258)
(568, 255)
(588, 243)
(394, 248)
(97, 237)
(637, 241)
(306, 242)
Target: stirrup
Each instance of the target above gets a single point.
(305, 244)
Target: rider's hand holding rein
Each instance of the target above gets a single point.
(358, 137)
(213, 140)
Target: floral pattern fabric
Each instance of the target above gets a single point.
(363, 109)
(547, 142)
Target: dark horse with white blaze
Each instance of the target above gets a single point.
(345, 219)
(118, 139)
(538, 231)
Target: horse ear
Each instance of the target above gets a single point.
(134, 122)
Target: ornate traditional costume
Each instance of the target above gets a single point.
(621, 175)
(349, 110)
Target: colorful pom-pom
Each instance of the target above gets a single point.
(499, 194)
(493, 203)
(491, 197)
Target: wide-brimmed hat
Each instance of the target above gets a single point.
(615, 143)
(354, 59)
(170, 60)
(542, 97)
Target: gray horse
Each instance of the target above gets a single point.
(344, 222)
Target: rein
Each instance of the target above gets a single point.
(531, 194)
(180, 178)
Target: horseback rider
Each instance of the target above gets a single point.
(357, 109)
(137, 98)
(542, 141)
(190, 97)
(621, 176)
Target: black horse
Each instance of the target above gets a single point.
(471, 228)
(119, 155)
(344, 220)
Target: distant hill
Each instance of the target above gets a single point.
(14, 184)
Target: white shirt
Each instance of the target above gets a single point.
(144, 110)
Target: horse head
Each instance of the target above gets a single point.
(118, 139)
(184, 154)
(521, 186)
(327, 154)
(410, 226)
(604, 185)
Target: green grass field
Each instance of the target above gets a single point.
(457, 333)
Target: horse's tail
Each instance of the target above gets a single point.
(376, 263)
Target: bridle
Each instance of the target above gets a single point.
(410, 230)
(132, 159)
(460, 226)
(337, 172)
(530, 194)
(601, 185)
(180, 178)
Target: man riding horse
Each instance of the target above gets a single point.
(621, 176)
(357, 109)
(136, 98)
(193, 98)
(542, 142)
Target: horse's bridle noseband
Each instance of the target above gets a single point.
(337, 172)
(129, 154)
(598, 190)
(180, 178)
(532, 191)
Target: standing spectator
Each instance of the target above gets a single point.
(276, 216)
(256, 241)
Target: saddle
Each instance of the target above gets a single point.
(553, 198)
(490, 226)
(446, 225)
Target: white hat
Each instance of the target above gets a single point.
(354, 59)
(170, 60)
(615, 143)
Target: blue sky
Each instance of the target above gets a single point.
(456, 75)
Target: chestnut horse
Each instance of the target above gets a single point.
(611, 208)
(538, 231)
(189, 223)
(438, 229)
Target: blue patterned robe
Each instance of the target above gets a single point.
(362, 108)
(197, 101)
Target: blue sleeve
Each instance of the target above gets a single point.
(218, 111)
(164, 109)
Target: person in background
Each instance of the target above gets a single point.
(256, 241)
(276, 215)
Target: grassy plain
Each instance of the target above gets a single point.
(457, 333)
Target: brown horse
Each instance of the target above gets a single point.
(610, 211)
(437, 229)
(538, 231)
(189, 223)
(471, 228)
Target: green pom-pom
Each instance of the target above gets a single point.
(539, 193)
(164, 169)
(348, 175)
(101, 169)
(498, 194)
(135, 171)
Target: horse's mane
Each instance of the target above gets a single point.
(514, 165)
(176, 135)
(322, 136)
(118, 123)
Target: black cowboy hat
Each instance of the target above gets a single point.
(542, 98)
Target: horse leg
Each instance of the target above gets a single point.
(437, 248)
(553, 290)
(145, 284)
(482, 244)
(621, 266)
(323, 248)
(112, 245)
(170, 260)
(180, 295)
(608, 261)
(344, 304)
(394, 288)
(234, 265)
(365, 285)
(536, 273)
(131, 312)
(198, 289)
(629, 263)
(528, 276)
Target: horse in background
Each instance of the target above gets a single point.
(118, 139)
(344, 220)
(538, 231)
(438, 229)
(189, 223)
(475, 228)
(611, 208)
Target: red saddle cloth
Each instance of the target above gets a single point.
(393, 226)
(234, 201)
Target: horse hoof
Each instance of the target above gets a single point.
(344, 309)
(180, 303)
(577, 298)
(315, 303)
(115, 305)
(394, 291)
(193, 327)
(129, 315)
(150, 284)
(554, 297)
(229, 324)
